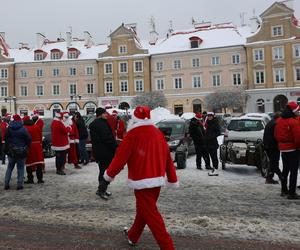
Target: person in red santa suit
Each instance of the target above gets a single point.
(60, 141)
(4, 124)
(74, 140)
(120, 128)
(35, 157)
(147, 155)
(37, 120)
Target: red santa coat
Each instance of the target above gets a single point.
(59, 133)
(35, 154)
(40, 123)
(112, 121)
(4, 126)
(120, 130)
(73, 139)
(148, 158)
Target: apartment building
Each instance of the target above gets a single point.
(188, 65)
(273, 55)
(57, 75)
(124, 68)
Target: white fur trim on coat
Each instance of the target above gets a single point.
(146, 122)
(60, 148)
(107, 177)
(147, 183)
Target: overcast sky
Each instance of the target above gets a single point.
(21, 19)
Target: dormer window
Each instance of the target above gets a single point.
(122, 49)
(56, 54)
(73, 53)
(195, 42)
(39, 55)
(277, 31)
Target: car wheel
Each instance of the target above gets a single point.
(223, 165)
(181, 161)
(264, 165)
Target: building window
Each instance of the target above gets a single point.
(122, 49)
(259, 77)
(39, 56)
(39, 72)
(55, 72)
(72, 71)
(195, 62)
(73, 89)
(4, 73)
(90, 88)
(124, 86)
(178, 83)
(23, 91)
(236, 79)
(215, 60)
(108, 87)
(279, 75)
(123, 67)
(3, 91)
(258, 55)
(139, 85)
(138, 66)
(55, 55)
(235, 59)
(278, 53)
(260, 104)
(216, 80)
(297, 74)
(39, 90)
(108, 69)
(297, 50)
(89, 70)
(159, 66)
(23, 73)
(160, 84)
(72, 54)
(55, 89)
(197, 83)
(277, 31)
(177, 64)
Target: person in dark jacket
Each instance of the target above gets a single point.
(196, 130)
(83, 136)
(287, 134)
(271, 148)
(103, 144)
(17, 140)
(212, 131)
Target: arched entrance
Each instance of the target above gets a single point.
(279, 102)
(197, 106)
(90, 107)
(124, 105)
(260, 106)
(56, 108)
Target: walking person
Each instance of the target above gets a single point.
(147, 155)
(212, 131)
(272, 150)
(35, 158)
(287, 134)
(83, 136)
(17, 140)
(60, 142)
(103, 144)
(196, 130)
(4, 125)
(37, 120)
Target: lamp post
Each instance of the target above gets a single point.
(74, 99)
(11, 98)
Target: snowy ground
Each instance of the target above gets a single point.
(236, 204)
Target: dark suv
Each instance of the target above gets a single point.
(180, 143)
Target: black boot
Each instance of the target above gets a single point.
(29, 176)
(269, 180)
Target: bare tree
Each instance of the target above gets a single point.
(227, 98)
(152, 99)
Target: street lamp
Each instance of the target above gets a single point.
(11, 98)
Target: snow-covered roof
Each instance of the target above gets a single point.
(216, 36)
(27, 55)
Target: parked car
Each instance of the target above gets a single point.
(266, 117)
(179, 140)
(47, 140)
(243, 143)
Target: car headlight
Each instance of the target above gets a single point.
(173, 143)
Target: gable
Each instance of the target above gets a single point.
(277, 9)
(121, 31)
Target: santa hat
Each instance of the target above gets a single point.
(58, 115)
(26, 118)
(35, 113)
(115, 112)
(211, 113)
(17, 118)
(66, 114)
(293, 106)
(7, 115)
(198, 116)
(141, 113)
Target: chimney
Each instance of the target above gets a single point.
(40, 40)
(24, 46)
(153, 37)
(202, 25)
(2, 34)
(132, 26)
(69, 39)
(87, 39)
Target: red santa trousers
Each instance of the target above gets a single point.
(72, 154)
(148, 214)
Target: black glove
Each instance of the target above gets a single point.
(103, 184)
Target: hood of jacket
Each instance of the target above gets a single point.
(15, 125)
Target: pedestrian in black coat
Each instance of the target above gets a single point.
(212, 131)
(196, 130)
(103, 142)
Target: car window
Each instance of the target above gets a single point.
(245, 125)
(176, 128)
